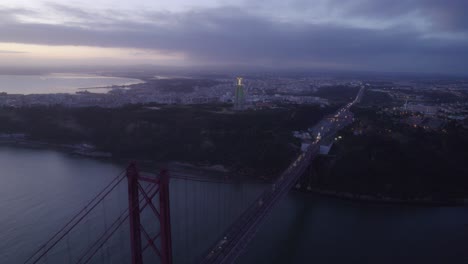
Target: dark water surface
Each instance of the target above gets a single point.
(59, 83)
(40, 190)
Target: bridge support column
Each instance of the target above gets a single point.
(134, 211)
(165, 221)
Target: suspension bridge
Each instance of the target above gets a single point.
(149, 198)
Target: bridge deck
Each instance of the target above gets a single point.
(245, 227)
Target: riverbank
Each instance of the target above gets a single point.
(76, 149)
(179, 170)
(426, 201)
(219, 174)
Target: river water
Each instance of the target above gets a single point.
(41, 189)
(59, 83)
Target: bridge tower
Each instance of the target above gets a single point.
(159, 186)
(240, 95)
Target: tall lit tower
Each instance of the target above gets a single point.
(240, 95)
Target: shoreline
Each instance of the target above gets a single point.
(187, 171)
(178, 170)
(366, 198)
(106, 88)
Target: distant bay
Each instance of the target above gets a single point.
(60, 83)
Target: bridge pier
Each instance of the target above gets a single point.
(165, 220)
(134, 217)
(308, 180)
(135, 191)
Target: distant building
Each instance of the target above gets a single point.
(419, 108)
(465, 123)
(239, 101)
(428, 123)
(433, 123)
(325, 149)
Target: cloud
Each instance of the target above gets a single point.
(11, 52)
(233, 35)
(437, 14)
(8, 13)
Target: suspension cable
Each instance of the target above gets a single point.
(118, 178)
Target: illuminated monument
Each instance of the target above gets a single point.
(240, 95)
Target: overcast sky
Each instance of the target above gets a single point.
(377, 35)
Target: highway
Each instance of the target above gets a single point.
(236, 238)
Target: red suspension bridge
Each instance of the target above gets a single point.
(149, 194)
